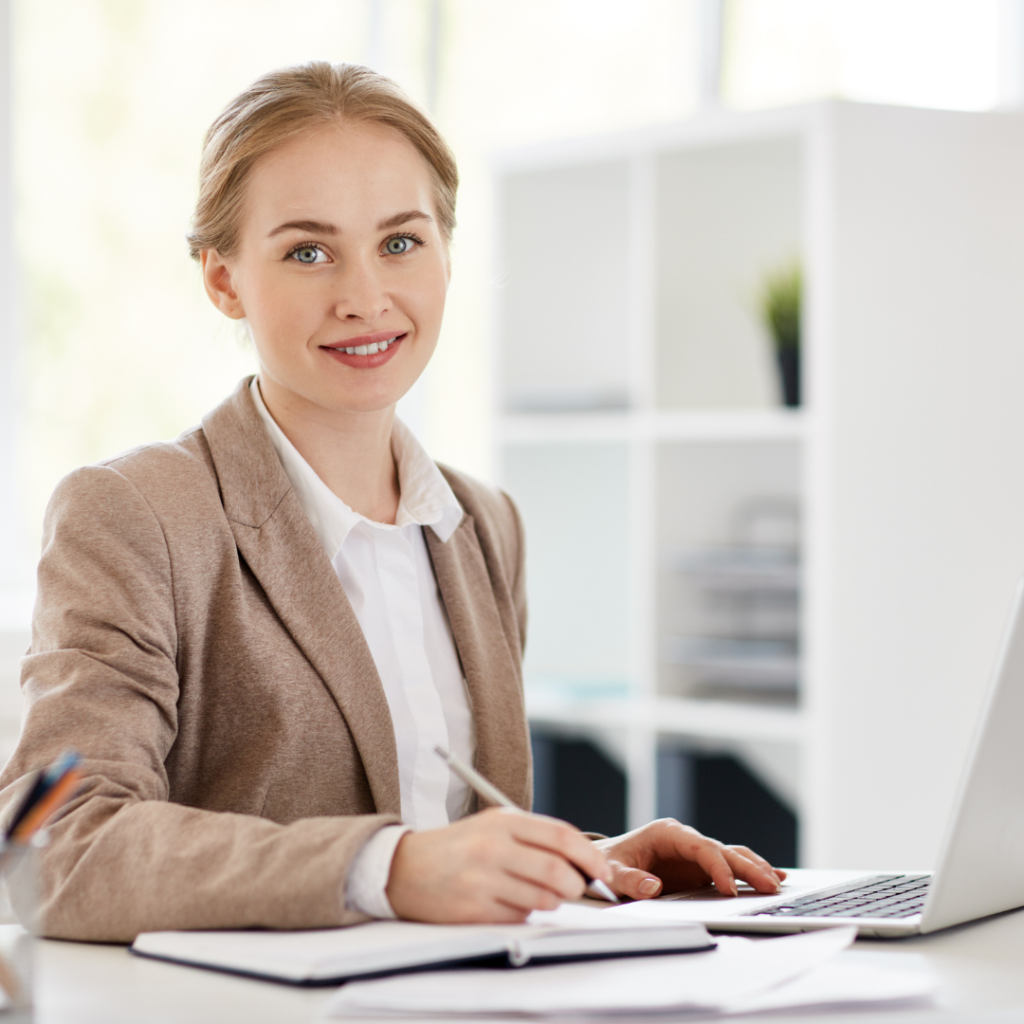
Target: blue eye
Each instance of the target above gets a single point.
(308, 254)
(398, 246)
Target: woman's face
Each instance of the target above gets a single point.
(341, 270)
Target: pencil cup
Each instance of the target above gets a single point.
(18, 925)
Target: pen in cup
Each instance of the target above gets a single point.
(472, 778)
(50, 790)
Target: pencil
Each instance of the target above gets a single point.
(472, 778)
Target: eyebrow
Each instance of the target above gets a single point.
(403, 218)
(319, 227)
(314, 227)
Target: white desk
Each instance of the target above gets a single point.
(981, 967)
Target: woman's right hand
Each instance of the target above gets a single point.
(494, 867)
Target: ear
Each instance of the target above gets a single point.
(219, 285)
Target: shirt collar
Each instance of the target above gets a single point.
(426, 499)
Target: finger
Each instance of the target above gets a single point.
(546, 871)
(634, 882)
(762, 879)
(777, 873)
(724, 864)
(710, 855)
(758, 861)
(756, 872)
(561, 838)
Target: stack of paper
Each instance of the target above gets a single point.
(740, 976)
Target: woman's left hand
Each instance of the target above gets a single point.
(665, 856)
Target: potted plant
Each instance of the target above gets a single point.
(780, 310)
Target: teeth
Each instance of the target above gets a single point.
(370, 350)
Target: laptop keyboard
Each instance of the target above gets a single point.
(893, 896)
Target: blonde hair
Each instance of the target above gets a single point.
(290, 102)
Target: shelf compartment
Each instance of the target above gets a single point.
(735, 664)
(728, 527)
(749, 569)
(574, 501)
(556, 354)
(727, 216)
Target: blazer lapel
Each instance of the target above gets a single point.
(280, 546)
(491, 668)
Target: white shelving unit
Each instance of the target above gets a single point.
(640, 410)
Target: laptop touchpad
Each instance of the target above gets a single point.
(708, 893)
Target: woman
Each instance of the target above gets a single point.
(256, 634)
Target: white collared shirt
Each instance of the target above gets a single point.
(388, 577)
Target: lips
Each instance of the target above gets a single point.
(366, 351)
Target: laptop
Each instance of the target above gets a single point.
(981, 864)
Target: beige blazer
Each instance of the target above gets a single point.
(192, 641)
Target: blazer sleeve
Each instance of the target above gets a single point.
(518, 575)
(101, 678)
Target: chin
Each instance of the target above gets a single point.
(350, 403)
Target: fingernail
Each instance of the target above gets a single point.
(649, 886)
(733, 887)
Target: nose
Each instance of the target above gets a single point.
(361, 293)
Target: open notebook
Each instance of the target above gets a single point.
(332, 955)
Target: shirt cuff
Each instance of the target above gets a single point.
(367, 881)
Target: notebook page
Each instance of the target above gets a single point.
(379, 946)
(325, 953)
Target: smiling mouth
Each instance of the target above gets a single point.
(368, 350)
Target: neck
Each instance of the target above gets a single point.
(349, 451)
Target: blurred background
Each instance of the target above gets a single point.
(736, 318)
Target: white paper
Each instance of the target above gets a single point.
(841, 984)
(731, 975)
(577, 915)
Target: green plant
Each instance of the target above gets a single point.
(780, 298)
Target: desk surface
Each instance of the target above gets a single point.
(981, 967)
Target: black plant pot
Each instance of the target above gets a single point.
(789, 373)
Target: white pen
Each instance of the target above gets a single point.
(472, 778)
